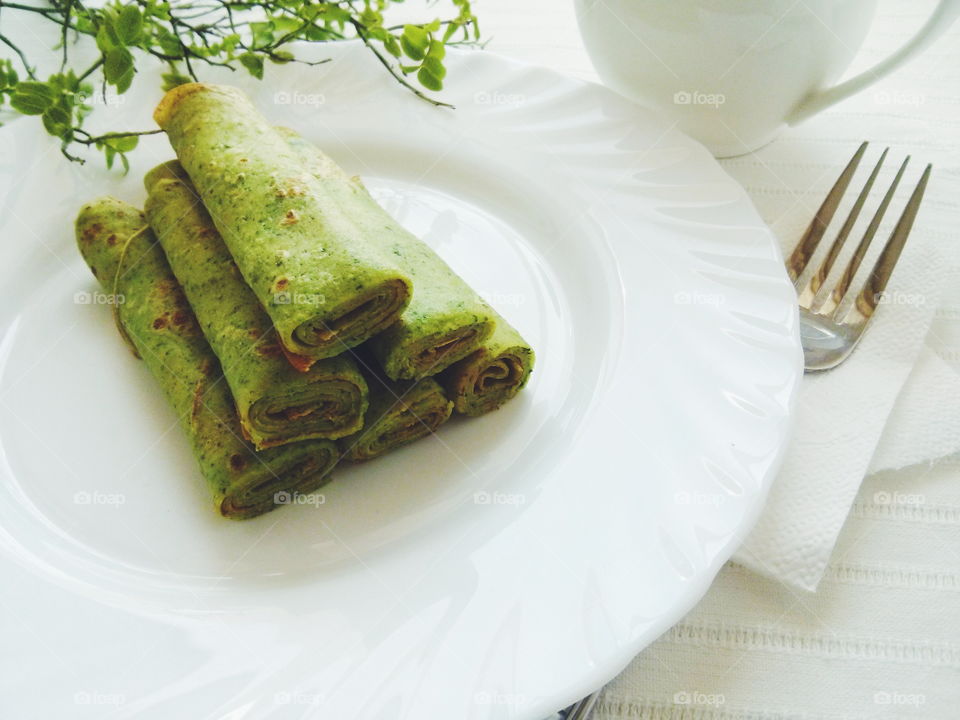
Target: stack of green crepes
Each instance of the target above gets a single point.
(291, 322)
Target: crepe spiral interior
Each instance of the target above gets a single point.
(264, 487)
(485, 380)
(364, 316)
(322, 408)
(399, 413)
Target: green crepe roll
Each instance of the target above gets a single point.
(326, 285)
(276, 403)
(103, 226)
(399, 413)
(169, 170)
(445, 321)
(154, 315)
(173, 170)
(492, 375)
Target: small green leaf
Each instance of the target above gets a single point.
(107, 37)
(411, 51)
(370, 18)
(56, 120)
(129, 24)
(435, 67)
(32, 98)
(126, 81)
(118, 68)
(436, 51)
(71, 82)
(172, 79)
(253, 63)
(262, 34)
(414, 42)
(8, 76)
(281, 56)
(169, 43)
(334, 14)
(83, 24)
(429, 80)
(392, 46)
(286, 24)
(123, 143)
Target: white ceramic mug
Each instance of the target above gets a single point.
(734, 72)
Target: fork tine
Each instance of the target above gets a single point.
(814, 233)
(816, 281)
(832, 303)
(870, 295)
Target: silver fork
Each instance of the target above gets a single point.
(827, 334)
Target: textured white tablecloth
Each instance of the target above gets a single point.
(881, 636)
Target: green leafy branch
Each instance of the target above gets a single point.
(190, 35)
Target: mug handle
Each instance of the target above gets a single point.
(942, 18)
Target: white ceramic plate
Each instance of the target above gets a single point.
(499, 570)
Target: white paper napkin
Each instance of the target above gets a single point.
(925, 423)
(894, 402)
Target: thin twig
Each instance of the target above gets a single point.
(90, 70)
(89, 139)
(23, 58)
(63, 35)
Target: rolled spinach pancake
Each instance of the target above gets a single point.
(492, 375)
(399, 413)
(276, 403)
(326, 284)
(446, 320)
(124, 256)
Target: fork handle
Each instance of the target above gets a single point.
(942, 18)
(583, 709)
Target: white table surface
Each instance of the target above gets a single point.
(881, 636)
